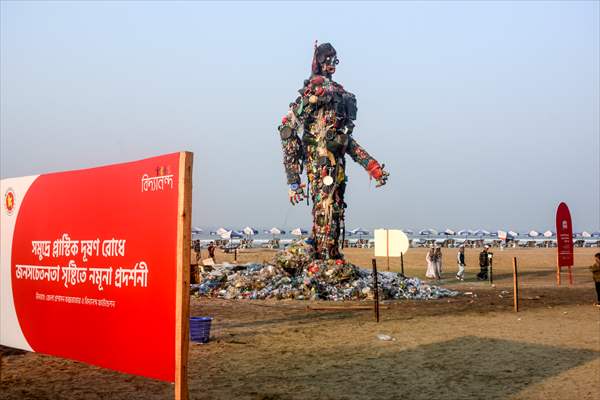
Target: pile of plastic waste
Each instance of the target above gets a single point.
(294, 275)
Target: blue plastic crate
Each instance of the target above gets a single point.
(200, 329)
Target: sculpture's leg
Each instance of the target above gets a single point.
(320, 226)
(336, 223)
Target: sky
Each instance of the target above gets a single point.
(486, 114)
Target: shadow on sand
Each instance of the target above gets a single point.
(468, 367)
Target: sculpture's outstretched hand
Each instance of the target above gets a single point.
(296, 193)
(377, 172)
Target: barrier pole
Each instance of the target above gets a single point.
(570, 276)
(402, 262)
(515, 285)
(375, 291)
(557, 271)
(182, 303)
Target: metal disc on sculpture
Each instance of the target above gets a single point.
(286, 132)
(328, 180)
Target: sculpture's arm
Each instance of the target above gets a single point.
(360, 155)
(293, 155)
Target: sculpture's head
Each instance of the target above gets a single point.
(324, 59)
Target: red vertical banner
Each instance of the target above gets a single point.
(564, 236)
(564, 241)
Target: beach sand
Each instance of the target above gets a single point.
(469, 347)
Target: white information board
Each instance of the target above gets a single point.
(390, 243)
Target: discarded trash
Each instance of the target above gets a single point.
(295, 276)
(381, 336)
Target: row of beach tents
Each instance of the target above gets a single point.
(503, 235)
(248, 231)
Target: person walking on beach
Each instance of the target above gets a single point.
(438, 262)
(596, 271)
(431, 272)
(460, 260)
(211, 251)
(484, 262)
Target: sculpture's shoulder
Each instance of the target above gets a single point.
(336, 87)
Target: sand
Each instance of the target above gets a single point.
(470, 347)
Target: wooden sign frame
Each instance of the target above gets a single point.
(182, 303)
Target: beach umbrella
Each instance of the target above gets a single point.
(449, 232)
(481, 232)
(221, 231)
(196, 230)
(249, 231)
(276, 231)
(213, 233)
(548, 234)
(408, 231)
(299, 232)
(596, 234)
(513, 234)
(427, 232)
(586, 234)
(502, 235)
(533, 233)
(463, 232)
(359, 232)
(231, 235)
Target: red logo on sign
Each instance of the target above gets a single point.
(9, 201)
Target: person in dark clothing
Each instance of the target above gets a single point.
(484, 263)
(460, 260)
(211, 250)
(596, 274)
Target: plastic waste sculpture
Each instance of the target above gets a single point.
(316, 133)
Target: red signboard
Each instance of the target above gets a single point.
(564, 236)
(89, 265)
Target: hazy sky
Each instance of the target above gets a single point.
(485, 113)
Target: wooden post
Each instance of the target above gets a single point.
(235, 254)
(515, 285)
(182, 303)
(375, 291)
(557, 271)
(402, 262)
(491, 274)
(570, 276)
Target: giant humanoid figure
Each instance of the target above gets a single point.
(316, 133)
